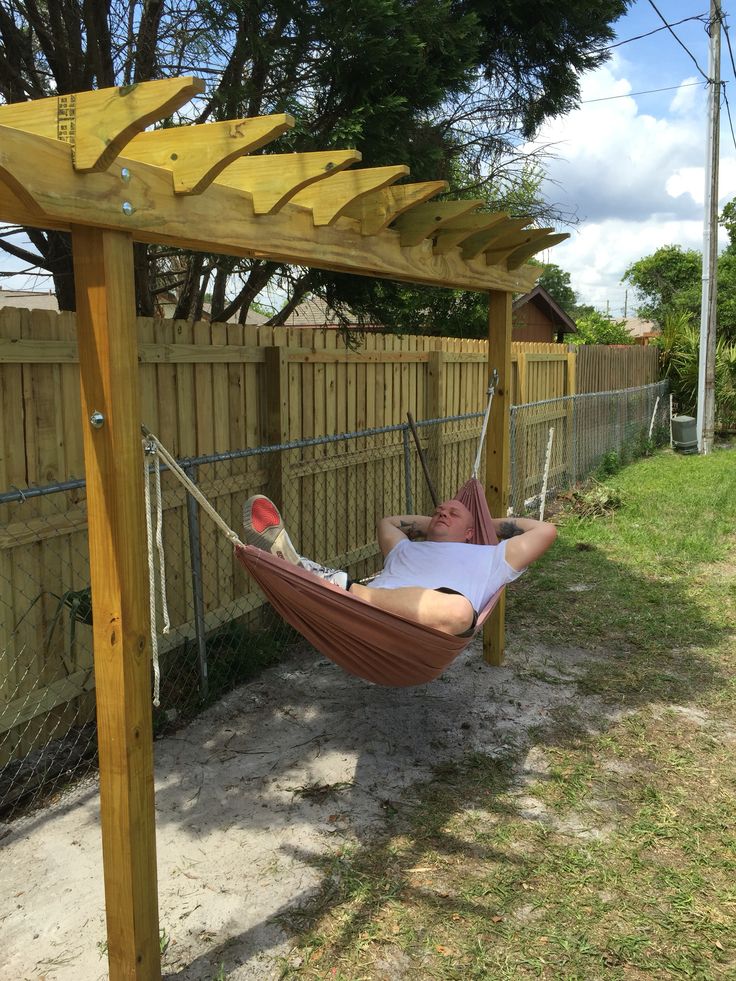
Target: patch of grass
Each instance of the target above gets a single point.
(615, 856)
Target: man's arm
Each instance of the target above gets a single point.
(526, 539)
(393, 528)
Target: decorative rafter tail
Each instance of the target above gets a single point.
(272, 180)
(502, 247)
(519, 257)
(472, 246)
(425, 220)
(98, 125)
(376, 210)
(196, 155)
(328, 200)
(455, 232)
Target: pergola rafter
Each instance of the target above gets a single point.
(87, 164)
(196, 187)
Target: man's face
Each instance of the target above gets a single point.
(451, 522)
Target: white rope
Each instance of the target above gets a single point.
(153, 446)
(160, 546)
(486, 417)
(547, 461)
(151, 584)
(654, 416)
(191, 487)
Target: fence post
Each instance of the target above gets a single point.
(195, 557)
(521, 378)
(436, 410)
(498, 450)
(277, 417)
(570, 427)
(407, 471)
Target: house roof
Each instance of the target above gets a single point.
(638, 327)
(28, 299)
(545, 302)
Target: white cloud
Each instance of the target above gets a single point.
(635, 180)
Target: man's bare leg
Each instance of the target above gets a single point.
(448, 612)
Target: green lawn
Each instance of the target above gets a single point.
(628, 868)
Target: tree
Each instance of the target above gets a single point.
(664, 282)
(669, 283)
(446, 86)
(597, 328)
(557, 283)
(679, 346)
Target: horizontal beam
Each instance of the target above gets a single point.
(52, 195)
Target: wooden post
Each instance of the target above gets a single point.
(108, 362)
(497, 449)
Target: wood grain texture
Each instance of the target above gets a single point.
(106, 328)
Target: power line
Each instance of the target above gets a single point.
(682, 45)
(728, 112)
(630, 95)
(701, 17)
(728, 42)
(733, 68)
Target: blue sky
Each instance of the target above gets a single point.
(632, 168)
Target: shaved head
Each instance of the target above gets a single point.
(451, 522)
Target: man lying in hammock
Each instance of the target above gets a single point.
(440, 582)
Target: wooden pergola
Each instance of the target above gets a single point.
(85, 164)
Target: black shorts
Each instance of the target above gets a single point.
(471, 629)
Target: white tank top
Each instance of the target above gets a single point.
(476, 571)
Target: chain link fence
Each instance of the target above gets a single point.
(557, 443)
(331, 492)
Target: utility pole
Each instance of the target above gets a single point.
(707, 359)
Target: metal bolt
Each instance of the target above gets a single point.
(97, 420)
(125, 175)
(128, 208)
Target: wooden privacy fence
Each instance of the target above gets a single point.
(213, 388)
(605, 368)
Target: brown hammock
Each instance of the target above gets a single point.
(373, 644)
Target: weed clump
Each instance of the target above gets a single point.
(596, 500)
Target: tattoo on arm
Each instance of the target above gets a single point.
(411, 530)
(508, 529)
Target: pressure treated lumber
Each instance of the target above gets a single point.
(426, 220)
(106, 326)
(455, 231)
(475, 244)
(376, 210)
(502, 247)
(272, 180)
(195, 155)
(328, 199)
(98, 125)
(53, 195)
(524, 252)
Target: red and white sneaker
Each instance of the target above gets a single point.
(265, 529)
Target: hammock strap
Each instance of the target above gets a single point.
(491, 391)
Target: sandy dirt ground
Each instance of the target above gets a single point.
(251, 795)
